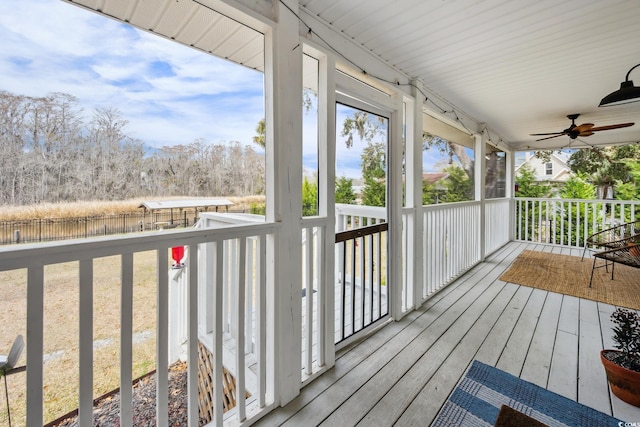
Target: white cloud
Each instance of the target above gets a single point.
(171, 94)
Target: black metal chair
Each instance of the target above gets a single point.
(627, 255)
(613, 237)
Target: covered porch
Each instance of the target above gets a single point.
(399, 371)
(445, 305)
(402, 374)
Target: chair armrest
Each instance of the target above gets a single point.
(627, 255)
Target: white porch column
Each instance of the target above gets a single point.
(326, 195)
(480, 186)
(394, 202)
(414, 191)
(283, 93)
(510, 190)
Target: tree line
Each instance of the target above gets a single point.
(50, 152)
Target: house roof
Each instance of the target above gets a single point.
(509, 69)
(433, 177)
(183, 204)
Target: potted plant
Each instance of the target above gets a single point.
(623, 365)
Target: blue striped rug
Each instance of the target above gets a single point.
(477, 399)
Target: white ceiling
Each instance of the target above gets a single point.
(520, 66)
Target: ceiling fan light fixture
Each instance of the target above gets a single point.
(626, 94)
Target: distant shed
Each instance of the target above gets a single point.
(155, 208)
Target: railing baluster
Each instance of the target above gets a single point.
(353, 285)
(343, 300)
(192, 353)
(362, 254)
(217, 314)
(35, 326)
(226, 294)
(372, 277)
(126, 331)
(85, 347)
(261, 319)
(321, 284)
(249, 301)
(239, 320)
(162, 340)
(379, 285)
(308, 281)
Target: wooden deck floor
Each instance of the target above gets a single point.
(402, 374)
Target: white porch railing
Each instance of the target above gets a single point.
(451, 243)
(250, 252)
(362, 293)
(227, 313)
(316, 288)
(451, 240)
(497, 216)
(569, 222)
(353, 216)
(361, 271)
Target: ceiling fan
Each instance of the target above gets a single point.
(585, 129)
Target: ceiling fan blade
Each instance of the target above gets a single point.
(550, 133)
(587, 133)
(618, 126)
(549, 137)
(585, 127)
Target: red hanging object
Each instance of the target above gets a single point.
(177, 254)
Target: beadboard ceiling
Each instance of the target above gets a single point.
(520, 66)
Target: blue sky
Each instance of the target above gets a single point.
(171, 94)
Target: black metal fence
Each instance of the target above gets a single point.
(43, 230)
(363, 293)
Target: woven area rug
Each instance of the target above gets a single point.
(570, 276)
(478, 397)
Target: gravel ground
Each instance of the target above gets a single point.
(106, 412)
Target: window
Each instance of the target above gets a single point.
(548, 169)
(310, 184)
(361, 154)
(447, 163)
(495, 172)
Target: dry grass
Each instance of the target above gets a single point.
(66, 210)
(245, 203)
(89, 208)
(61, 322)
(61, 326)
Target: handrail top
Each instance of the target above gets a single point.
(21, 256)
(560, 200)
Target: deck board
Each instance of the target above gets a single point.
(402, 374)
(391, 401)
(515, 352)
(425, 405)
(565, 351)
(538, 359)
(592, 382)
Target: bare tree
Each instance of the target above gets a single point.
(49, 154)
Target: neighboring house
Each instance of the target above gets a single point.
(554, 171)
(435, 178)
